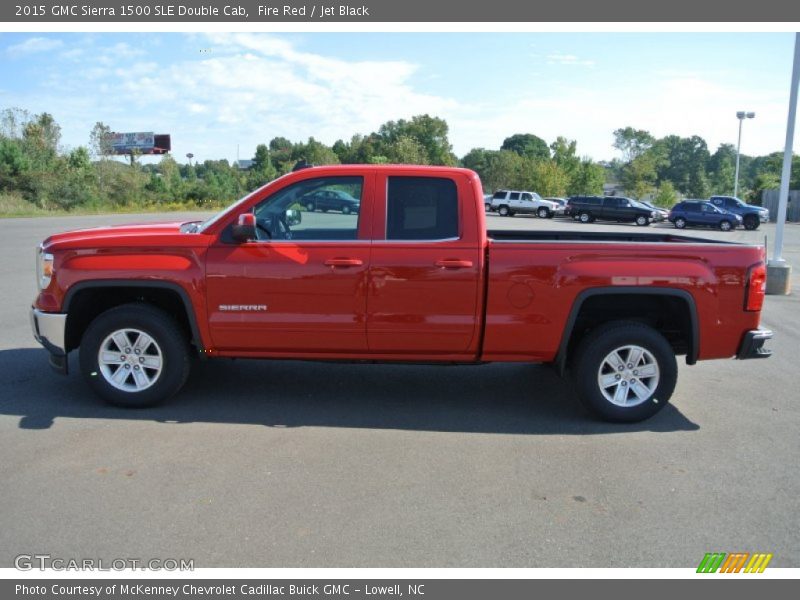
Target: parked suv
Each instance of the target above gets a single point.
(701, 213)
(507, 203)
(326, 200)
(587, 209)
(661, 213)
(752, 216)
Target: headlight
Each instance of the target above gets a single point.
(44, 268)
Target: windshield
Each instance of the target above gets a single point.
(536, 196)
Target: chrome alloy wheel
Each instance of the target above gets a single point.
(130, 360)
(628, 376)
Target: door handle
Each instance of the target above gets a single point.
(453, 263)
(344, 262)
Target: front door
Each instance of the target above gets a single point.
(425, 269)
(301, 286)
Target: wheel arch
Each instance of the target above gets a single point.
(169, 296)
(573, 332)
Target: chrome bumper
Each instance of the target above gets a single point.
(49, 330)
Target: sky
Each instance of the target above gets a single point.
(216, 92)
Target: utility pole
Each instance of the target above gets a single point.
(779, 272)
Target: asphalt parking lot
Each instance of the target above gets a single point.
(291, 464)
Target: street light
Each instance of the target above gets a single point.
(741, 115)
(190, 156)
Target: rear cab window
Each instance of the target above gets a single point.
(421, 208)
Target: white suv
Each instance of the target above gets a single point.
(507, 203)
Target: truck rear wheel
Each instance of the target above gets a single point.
(134, 356)
(626, 372)
(503, 211)
(585, 217)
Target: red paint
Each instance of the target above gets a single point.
(370, 298)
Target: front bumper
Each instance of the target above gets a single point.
(49, 330)
(752, 345)
(764, 217)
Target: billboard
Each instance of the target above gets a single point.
(141, 142)
(123, 143)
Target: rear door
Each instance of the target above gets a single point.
(426, 266)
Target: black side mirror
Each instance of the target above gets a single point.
(245, 228)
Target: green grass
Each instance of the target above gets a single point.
(13, 205)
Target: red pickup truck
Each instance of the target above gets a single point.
(403, 271)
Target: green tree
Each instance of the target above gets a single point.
(588, 179)
(632, 143)
(430, 132)
(665, 195)
(528, 145)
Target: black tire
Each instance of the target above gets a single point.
(641, 221)
(585, 217)
(680, 223)
(590, 359)
(751, 223)
(345, 210)
(487, 207)
(166, 333)
(503, 211)
(543, 213)
(725, 225)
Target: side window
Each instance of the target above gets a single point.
(527, 197)
(421, 208)
(322, 209)
(499, 196)
(692, 208)
(513, 196)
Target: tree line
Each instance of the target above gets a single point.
(36, 172)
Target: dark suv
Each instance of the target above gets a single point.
(326, 200)
(702, 214)
(609, 208)
(752, 216)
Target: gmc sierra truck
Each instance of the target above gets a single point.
(410, 275)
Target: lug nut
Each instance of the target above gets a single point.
(630, 366)
(135, 367)
(618, 376)
(122, 357)
(138, 351)
(624, 383)
(633, 381)
(621, 367)
(127, 366)
(141, 359)
(127, 350)
(636, 372)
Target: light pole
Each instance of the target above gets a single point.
(741, 115)
(190, 156)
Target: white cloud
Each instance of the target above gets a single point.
(558, 58)
(33, 45)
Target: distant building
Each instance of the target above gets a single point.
(244, 164)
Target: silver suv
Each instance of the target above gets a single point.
(507, 203)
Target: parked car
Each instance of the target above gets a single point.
(661, 214)
(752, 216)
(609, 310)
(561, 205)
(701, 213)
(487, 202)
(507, 203)
(326, 200)
(587, 209)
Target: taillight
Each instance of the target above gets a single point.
(756, 287)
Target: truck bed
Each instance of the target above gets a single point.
(514, 235)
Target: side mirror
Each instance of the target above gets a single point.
(293, 217)
(245, 228)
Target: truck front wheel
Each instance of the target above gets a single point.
(134, 355)
(626, 372)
